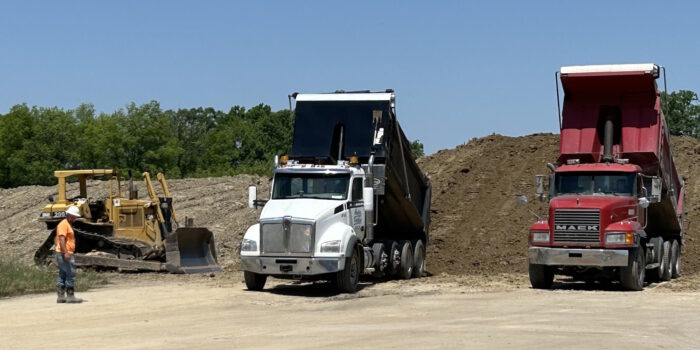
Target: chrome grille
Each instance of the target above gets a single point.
(273, 238)
(287, 238)
(577, 226)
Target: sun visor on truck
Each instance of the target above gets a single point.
(322, 129)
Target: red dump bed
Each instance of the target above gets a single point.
(629, 93)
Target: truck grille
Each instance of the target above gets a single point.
(577, 226)
(294, 238)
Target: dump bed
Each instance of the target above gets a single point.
(626, 94)
(332, 127)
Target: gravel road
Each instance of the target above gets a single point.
(440, 312)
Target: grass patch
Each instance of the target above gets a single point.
(19, 279)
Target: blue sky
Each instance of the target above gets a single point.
(460, 69)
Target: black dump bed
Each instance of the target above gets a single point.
(330, 130)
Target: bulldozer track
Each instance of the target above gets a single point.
(118, 248)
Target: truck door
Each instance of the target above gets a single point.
(357, 209)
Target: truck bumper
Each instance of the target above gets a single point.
(291, 266)
(577, 257)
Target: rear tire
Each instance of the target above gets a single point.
(666, 262)
(675, 259)
(632, 275)
(348, 278)
(406, 268)
(541, 276)
(254, 281)
(394, 256)
(418, 259)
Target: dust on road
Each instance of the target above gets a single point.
(438, 312)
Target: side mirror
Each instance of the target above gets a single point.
(522, 200)
(539, 186)
(643, 202)
(252, 196)
(368, 198)
(655, 189)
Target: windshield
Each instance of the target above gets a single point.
(322, 186)
(619, 184)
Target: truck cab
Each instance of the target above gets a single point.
(310, 224)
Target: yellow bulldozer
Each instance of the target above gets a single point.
(125, 232)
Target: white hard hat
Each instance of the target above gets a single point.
(73, 211)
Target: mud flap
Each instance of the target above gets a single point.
(191, 250)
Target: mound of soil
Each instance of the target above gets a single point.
(478, 226)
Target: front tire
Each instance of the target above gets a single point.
(675, 259)
(254, 281)
(541, 276)
(349, 277)
(632, 276)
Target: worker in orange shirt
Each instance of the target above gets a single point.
(65, 247)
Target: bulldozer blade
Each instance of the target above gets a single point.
(191, 250)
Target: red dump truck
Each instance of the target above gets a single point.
(616, 201)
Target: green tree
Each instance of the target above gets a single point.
(417, 149)
(682, 112)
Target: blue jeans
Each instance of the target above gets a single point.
(66, 271)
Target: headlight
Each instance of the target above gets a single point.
(619, 238)
(249, 245)
(541, 237)
(330, 247)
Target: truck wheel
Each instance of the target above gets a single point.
(632, 275)
(254, 281)
(541, 276)
(394, 258)
(666, 262)
(347, 279)
(418, 259)
(406, 268)
(380, 259)
(675, 259)
(655, 274)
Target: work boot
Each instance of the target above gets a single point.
(70, 298)
(61, 291)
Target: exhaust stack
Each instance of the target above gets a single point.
(608, 140)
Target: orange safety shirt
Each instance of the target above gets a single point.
(64, 229)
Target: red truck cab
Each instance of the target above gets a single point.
(615, 200)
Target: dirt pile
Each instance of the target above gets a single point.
(219, 204)
(477, 225)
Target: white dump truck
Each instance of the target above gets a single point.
(348, 200)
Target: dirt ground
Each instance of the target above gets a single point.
(441, 312)
(478, 295)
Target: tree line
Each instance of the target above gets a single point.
(195, 142)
